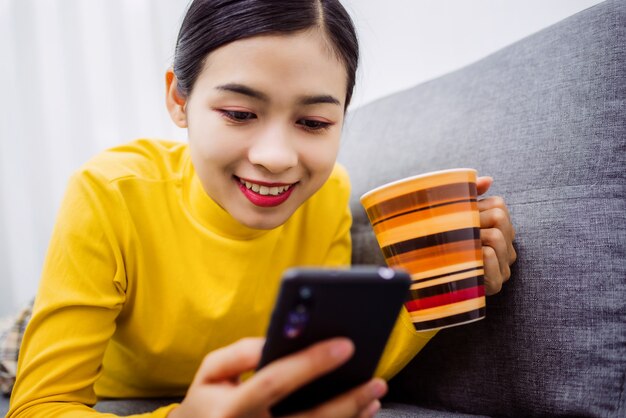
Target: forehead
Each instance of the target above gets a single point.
(279, 65)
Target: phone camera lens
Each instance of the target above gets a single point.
(296, 322)
(305, 292)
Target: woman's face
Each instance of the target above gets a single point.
(264, 120)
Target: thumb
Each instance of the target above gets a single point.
(483, 184)
(229, 362)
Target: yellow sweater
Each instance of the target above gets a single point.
(145, 275)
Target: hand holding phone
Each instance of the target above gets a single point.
(361, 304)
(218, 391)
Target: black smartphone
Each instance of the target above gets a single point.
(361, 304)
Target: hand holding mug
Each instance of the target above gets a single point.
(456, 248)
(496, 234)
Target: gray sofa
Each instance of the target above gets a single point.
(546, 117)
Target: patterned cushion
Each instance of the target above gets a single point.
(11, 331)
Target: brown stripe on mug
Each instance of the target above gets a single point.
(425, 213)
(429, 225)
(466, 234)
(415, 264)
(420, 200)
(453, 253)
(440, 276)
(448, 287)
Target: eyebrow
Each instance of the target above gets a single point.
(255, 94)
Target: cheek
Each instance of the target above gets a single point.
(319, 157)
(205, 132)
(211, 143)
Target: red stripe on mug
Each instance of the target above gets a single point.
(445, 299)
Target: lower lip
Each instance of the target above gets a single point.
(264, 201)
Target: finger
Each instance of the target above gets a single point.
(501, 218)
(493, 202)
(360, 401)
(283, 376)
(483, 184)
(494, 238)
(231, 361)
(371, 410)
(493, 276)
(497, 218)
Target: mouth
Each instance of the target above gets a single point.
(265, 194)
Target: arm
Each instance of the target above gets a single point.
(81, 293)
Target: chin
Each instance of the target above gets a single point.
(264, 221)
(264, 224)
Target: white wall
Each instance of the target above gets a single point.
(82, 75)
(405, 42)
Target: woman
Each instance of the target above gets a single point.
(165, 252)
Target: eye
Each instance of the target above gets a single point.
(313, 125)
(237, 115)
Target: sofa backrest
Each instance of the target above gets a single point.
(546, 117)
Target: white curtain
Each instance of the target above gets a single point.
(77, 76)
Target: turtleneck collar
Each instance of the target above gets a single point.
(208, 213)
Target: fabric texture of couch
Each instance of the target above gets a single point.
(546, 117)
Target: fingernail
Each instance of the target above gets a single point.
(373, 409)
(379, 388)
(341, 349)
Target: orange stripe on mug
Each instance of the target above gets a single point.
(447, 279)
(430, 226)
(420, 182)
(447, 310)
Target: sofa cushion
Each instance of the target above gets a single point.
(403, 410)
(4, 405)
(546, 117)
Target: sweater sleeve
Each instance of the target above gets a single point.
(404, 342)
(81, 293)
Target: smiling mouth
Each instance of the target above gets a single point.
(264, 190)
(265, 195)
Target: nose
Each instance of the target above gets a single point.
(273, 149)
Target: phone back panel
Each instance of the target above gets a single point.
(313, 305)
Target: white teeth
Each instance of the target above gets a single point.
(265, 190)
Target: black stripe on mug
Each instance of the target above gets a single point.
(447, 237)
(449, 287)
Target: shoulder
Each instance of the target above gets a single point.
(332, 196)
(340, 176)
(338, 183)
(142, 159)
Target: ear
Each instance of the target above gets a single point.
(174, 101)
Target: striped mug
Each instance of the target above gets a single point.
(429, 225)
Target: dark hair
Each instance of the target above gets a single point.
(209, 24)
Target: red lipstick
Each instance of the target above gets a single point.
(269, 200)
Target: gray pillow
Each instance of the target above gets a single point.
(546, 117)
